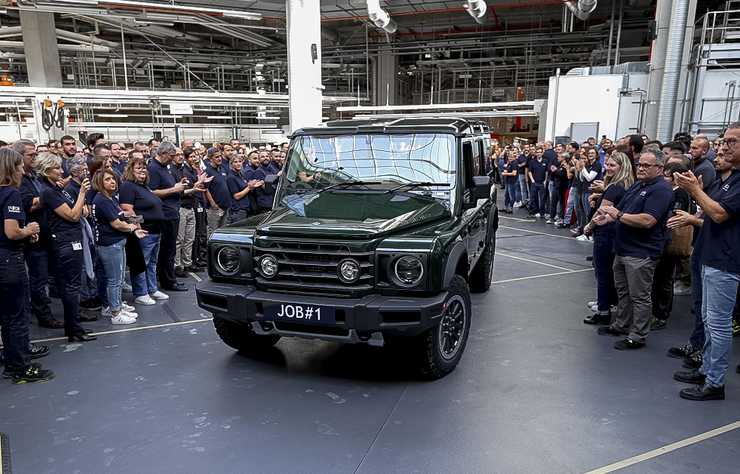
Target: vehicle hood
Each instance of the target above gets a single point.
(352, 215)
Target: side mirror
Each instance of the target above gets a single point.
(481, 187)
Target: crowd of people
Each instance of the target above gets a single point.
(664, 220)
(88, 225)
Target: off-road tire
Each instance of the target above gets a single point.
(241, 336)
(433, 363)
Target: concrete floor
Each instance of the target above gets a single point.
(536, 391)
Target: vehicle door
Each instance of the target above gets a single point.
(475, 214)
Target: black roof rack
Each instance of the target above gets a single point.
(455, 126)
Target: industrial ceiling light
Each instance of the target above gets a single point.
(380, 17)
(476, 9)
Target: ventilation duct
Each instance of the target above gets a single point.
(476, 9)
(581, 9)
(380, 17)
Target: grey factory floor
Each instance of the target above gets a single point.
(536, 391)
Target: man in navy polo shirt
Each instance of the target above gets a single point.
(165, 187)
(640, 237)
(718, 247)
(537, 175)
(218, 196)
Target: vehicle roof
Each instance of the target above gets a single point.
(452, 125)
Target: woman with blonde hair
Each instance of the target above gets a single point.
(13, 277)
(63, 215)
(609, 192)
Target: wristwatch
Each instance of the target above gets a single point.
(619, 216)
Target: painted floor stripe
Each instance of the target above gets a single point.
(543, 276)
(516, 219)
(197, 278)
(537, 233)
(533, 261)
(666, 449)
(140, 328)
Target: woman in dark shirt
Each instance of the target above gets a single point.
(13, 277)
(111, 233)
(240, 190)
(136, 198)
(665, 269)
(619, 178)
(66, 242)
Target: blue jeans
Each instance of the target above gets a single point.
(718, 303)
(606, 293)
(510, 195)
(90, 288)
(145, 283)
(553, 198)
(537, 198)
(570, 206)
(523, 188)
(111, 258)
(586, 206)
(697, 335)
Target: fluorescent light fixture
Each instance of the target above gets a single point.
(219, 117)
(113, 115)
(268, 118)
(168, 116)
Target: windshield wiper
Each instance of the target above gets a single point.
(355, 182)
(416, 185)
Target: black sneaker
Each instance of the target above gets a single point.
(91, 305)
(680, 352)
(694, 361)
(51, 323)
(89, 315)
(692, 376)
(703, 393)
(597, 318)
(628, 344)
(658, 324)
(609, 331)
(38, 351)
(180, 272)
(32, 373)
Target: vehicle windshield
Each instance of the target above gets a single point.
(380, 162)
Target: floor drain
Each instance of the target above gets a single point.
(4, 454)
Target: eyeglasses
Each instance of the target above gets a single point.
(730, 141)
(648, 165)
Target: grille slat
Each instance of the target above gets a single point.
(312, 267)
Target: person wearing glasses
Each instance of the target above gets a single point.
(718, 251)
(163, 184)
(639, 239)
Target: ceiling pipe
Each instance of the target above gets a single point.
(380, 17)
(581, 9)
(476, 9)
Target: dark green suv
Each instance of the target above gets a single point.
(379, 232)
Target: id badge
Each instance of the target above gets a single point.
(76, 245)
(200, 209)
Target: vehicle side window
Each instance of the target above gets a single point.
(468, 159)
(482, 157)
(475, 159)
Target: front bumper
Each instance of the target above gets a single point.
(358, 320)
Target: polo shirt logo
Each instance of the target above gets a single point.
(643, 193)
(726, 187)
(14, 209)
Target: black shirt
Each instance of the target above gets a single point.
(236, 183)
(11, 208)
(188, 201)
(104, 211)
(146, 204)
(538, 168)
(62, 230)
(654, 197)
(613, 194)
(512, 166)
(161, 178)
(30, 189)
(718, 245)
(217, 187)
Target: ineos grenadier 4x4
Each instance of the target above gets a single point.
(379, 231)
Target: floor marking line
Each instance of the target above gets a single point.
(538, 233)
(533, 261)
(197, 278)
(543, 276)
(666, 449)
(141, 328)
(516, 219)
(382, 427)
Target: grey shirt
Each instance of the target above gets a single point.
(705, 169)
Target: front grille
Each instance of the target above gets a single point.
(311, 267)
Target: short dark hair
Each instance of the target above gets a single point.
(675, 145)
(575, 145)
(655, 142)
(676, 167)
(67, 138)
(101, 146)
(637, 143)
(151, 140)
(92, 138)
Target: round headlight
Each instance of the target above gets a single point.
(349, 270)
(269, 266)
(409, 270)
(228, 260)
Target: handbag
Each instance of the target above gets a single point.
(680, 244)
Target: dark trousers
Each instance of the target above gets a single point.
(37, 260)
(67, 268)
(537, 198)
(13, 309)
(236, 216)
(663, 279)
(697, 338)
(606, 293)
(167, 251)
(200, 245)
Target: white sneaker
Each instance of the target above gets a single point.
(681, 290)
(548, 221)
(145, 300)
(106, 312)
(538, 215)
(583, 238)
(517, 204)
(126, 288)
(122, 319)
(130, 314)
(158, 295)
(127, 307)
